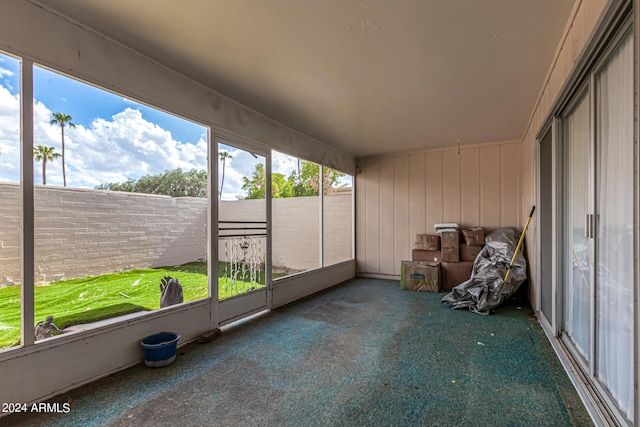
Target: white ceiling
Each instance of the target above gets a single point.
(366, 76)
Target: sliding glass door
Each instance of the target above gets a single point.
(578, 206)
(597, 228)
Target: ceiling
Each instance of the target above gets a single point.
(366, 76)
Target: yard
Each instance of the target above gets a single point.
(94, 298)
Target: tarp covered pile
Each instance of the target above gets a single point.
(484, 291)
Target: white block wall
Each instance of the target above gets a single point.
(88, 232)
(10, 258)
(338, 221)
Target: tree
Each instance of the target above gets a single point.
(255, 187)
(174, 183)
(44, 154)
(62, 120)
(308, 182)
(224, 155)
(298, 184)
(280, 186)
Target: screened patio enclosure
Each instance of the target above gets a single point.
(324, 151)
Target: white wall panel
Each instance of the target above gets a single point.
(417, 191)
(490, 187)
(451, 186)
(372, 217)
(401, 233)
(470, 203)
(387, 222)
(434, 190)
(361, 215)
(509, 185)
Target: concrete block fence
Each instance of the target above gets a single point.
(80, 232)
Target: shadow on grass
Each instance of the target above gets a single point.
(97, 314)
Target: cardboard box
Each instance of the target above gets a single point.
(428, 242)
(469, 252)
(450, 239)
(474, 236)
(451, 254)
(420, 276)
(454, 273)
(422, 255)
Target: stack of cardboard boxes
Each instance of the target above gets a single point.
(455, 257)
(423, 273)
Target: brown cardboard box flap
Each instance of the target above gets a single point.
(423, 255)
(451, 254)
(429, 242)
(449, 239)
(474, 236)
(469, 252)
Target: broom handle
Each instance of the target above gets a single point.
(513, 259)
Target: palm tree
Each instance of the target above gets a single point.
(62, 120)
(44, 154)
(224, 155)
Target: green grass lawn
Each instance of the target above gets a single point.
(94, 298)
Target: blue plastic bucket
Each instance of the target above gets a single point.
(160, 349)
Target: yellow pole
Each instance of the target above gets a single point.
(513, 259)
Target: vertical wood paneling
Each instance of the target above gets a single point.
(470, 203)
(372, 213)
(387, 222)
(399, 196)
(509, 183)
(417, 193)
(403, 240)
(451, 186)
(434, 195)
(360, 217)
(490, 193)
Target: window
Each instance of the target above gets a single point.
(337, 208)
(120, 203)
(10, 226)
(296, 215)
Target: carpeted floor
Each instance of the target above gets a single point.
(364, 353)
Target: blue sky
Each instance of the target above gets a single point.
(115, 138)
(85, 103)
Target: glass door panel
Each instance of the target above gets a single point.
(242, 231)
(614, 268)
(577, 247)
(545, 221)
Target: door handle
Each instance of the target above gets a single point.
(588, 226)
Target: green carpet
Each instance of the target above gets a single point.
(364, 353)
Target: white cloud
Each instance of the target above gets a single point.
(4, 72)
(240, 164)
(283, 163)
(9, 136)
(126, 146)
